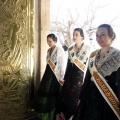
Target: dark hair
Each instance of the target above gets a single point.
(52, 36)
(111, 33)
(81, 31)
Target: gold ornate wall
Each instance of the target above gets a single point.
(16, 57)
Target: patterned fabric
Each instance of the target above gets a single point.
(82, 55)
(104, 87)
(69, 96)
(58, 58)
(48, 91)
(110, 62)
(93, 106)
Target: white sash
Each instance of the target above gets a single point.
(76, 61)
(54, 69)
(104, 88)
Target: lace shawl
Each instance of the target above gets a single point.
(83, 54)
(110, 63)
(58, 58)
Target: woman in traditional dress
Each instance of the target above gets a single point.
(48, 91)
(69, 95)
(100, 93)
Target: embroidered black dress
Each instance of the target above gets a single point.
(49, 88)
(48, 92)
(93, 106)
(69, 96)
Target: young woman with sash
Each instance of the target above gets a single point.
(51, 82)
(100, 93)
(69, 96)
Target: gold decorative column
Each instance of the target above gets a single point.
(16, 57)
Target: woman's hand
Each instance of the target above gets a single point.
(78, 102)
(60, 116)
(61, 82)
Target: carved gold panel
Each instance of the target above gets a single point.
(16, 57)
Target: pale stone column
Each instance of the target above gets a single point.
(45, 30)
(42, 29)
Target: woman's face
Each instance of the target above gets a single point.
(50, 42)
(102, 37)
(77, 37)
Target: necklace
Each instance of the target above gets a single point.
(103, 55)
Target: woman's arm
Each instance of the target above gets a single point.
(61, 63)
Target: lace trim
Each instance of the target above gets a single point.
(109, 64)
(83, 54)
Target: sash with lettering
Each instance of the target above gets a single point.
(53, 67)
(103, 87)
(75, 60)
